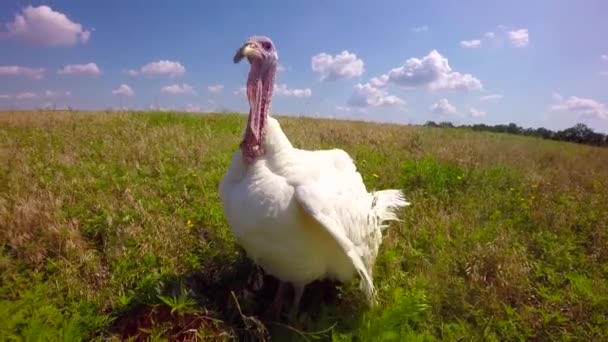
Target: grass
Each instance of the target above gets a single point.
(111, 228)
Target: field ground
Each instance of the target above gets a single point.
(111, 226)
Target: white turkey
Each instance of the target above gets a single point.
(300, 215)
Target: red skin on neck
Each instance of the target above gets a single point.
(260, 85)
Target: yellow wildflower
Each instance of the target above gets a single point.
(189, 224)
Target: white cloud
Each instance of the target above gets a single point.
(47, 105)
(604, 73)
(343, 108)
(519, 38)
(458, 81)
(432, 71)
(51, 93)
(192, 108)
(476, 113)
(557, 97)
(161, 108)
(345, 65)
(470, 43)
(581, 106)
(242, 91)
(44, 26)
(84, 69)
(26, 96)
(216, 89)
(162, 67)
(178, 89)
(14, 70)
(422, 28)
(491, 97)
(119, 109)
(366, 95)
(123, 90)
(443, 107)
(604, 58)
(282, 90)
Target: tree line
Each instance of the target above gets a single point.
(579, 133)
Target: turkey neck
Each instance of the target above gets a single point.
(260, 85)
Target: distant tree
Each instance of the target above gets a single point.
(480, 127)
(514, 129)
(579, 133)
(544, 133)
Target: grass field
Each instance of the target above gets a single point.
(111, 226)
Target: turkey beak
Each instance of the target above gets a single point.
(244, 51)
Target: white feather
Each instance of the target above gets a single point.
(306, 215)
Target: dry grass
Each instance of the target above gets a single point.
(110, 226)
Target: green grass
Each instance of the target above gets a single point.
(111, 226)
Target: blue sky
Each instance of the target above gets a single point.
(540, 63)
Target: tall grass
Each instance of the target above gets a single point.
(111, 227)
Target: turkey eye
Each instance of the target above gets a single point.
(266, 45)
